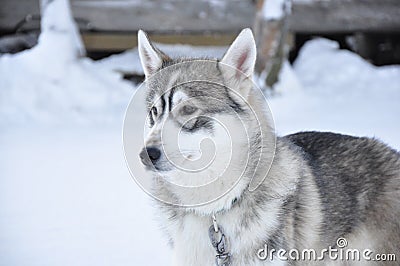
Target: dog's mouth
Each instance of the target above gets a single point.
(156, 168)
(153, 168)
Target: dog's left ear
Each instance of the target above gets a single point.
(150, 57)
(241, 55)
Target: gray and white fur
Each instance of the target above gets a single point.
(321, 185)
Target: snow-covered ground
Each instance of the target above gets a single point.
(66, 196)
(336, 90)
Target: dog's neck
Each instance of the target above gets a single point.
(223, 204)
(237, 220)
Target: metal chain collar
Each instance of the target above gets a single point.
(218, 241)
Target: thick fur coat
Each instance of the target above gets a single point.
(319, 186)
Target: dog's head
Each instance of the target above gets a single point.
(197, 113)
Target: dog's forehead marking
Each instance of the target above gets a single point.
(172, 80)
(157, 101)
(172, 94)
(178, 97)
(161, 98)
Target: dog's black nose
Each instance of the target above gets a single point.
(150, 155)
(153, 153)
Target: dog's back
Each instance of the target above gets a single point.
(359, 187)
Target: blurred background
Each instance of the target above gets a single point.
(69, 68)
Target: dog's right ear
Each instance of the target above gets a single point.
(150, 57)
(241, 57)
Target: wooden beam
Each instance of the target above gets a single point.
(165, 15)
(345, 16)
(177, 16)
(271, 37)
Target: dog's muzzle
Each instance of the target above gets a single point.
(150, 156)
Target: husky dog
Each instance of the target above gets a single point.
(319, 186)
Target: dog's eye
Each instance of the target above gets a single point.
(154, 112)
(188, 110)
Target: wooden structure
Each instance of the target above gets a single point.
(111, 26)
(345, 16)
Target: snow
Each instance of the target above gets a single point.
(336, 90)
(273, 9)
(59, 27)
(53, 82)
(66, 196)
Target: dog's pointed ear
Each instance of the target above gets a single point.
(150, 57)
(241, 55)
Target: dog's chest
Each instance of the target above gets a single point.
(192, 245)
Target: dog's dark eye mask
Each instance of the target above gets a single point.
(197, 123)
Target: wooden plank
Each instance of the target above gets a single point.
(177, 16)
(132, 15)
(166, 15)
(271, 37)
(345, 16)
